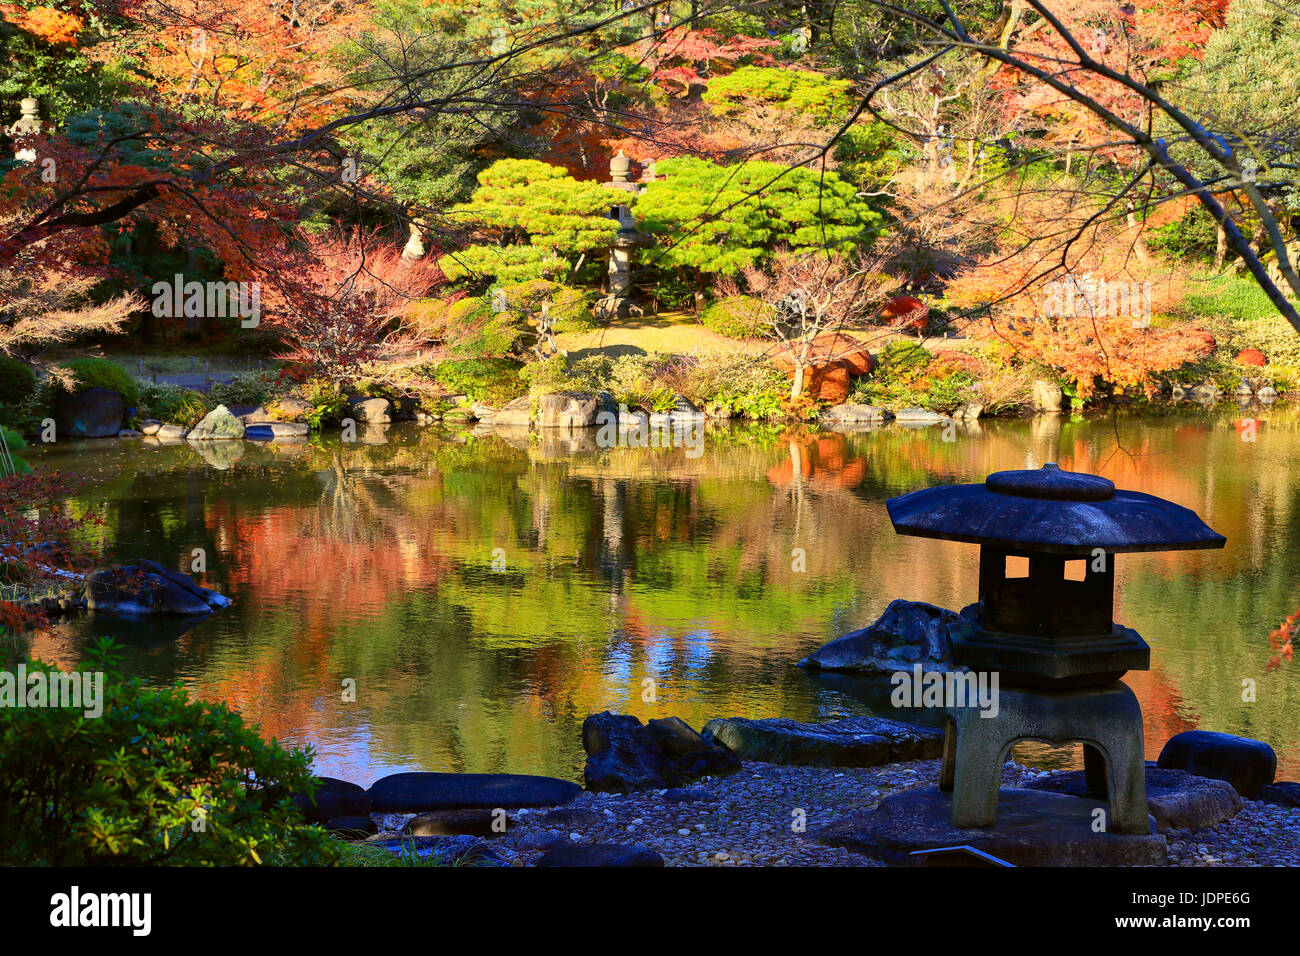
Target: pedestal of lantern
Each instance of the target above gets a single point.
(1047, 544)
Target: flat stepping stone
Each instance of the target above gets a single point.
(1175, 798)
(479, 823)
(601, 854)
(852, 742)
(919, 416)
(1034, 828)
(1246, 764)
(418, 791)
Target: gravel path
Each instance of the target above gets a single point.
(758, 817)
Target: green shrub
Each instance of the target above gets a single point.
(949, 392)
(573, 310)
(327, 400)
(493, 381)
(247, 388)
(474, 331)
(559, 374)
(17, 381)
(739, 317)
(173, 404)
(90, 373)
(899, 377)
(15, 443)
(746, 385)
(526, 295)
(155, 779)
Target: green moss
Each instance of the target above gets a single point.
(88, 373)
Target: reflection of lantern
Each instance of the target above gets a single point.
(1046, 583)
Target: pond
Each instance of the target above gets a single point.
(484, 594)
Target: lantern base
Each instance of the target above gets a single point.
(1106, 720)
(1056, 663)
(1030, 831)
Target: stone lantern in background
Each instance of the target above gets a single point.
(1048, 540)
(626, 239)
(29, 124)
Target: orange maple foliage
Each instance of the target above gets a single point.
(50, 25)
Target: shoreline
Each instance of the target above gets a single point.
(747, 819)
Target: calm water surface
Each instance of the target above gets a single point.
(486, 594)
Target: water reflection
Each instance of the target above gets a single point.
(486, 592)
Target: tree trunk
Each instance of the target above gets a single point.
(796, 387)
(1220, 246)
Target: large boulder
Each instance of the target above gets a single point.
(1174, 798)
(93, 413)
(217, 425)
(1246, 764)
(689, 755)
(908, 633)
(419, 791)
(684, 410)
(333, 798)
(1285, 794)
(370, 411)
(622, 755)
(567, 410)
(852, 742)
(515, 414)
(145, 588)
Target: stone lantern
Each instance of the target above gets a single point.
(1048, 540)
(625, 240)
(29, 124)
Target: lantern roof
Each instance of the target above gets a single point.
(1051, 510)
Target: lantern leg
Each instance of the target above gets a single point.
(978, 774)
(1126, 773)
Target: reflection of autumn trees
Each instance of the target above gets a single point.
(375, 563)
